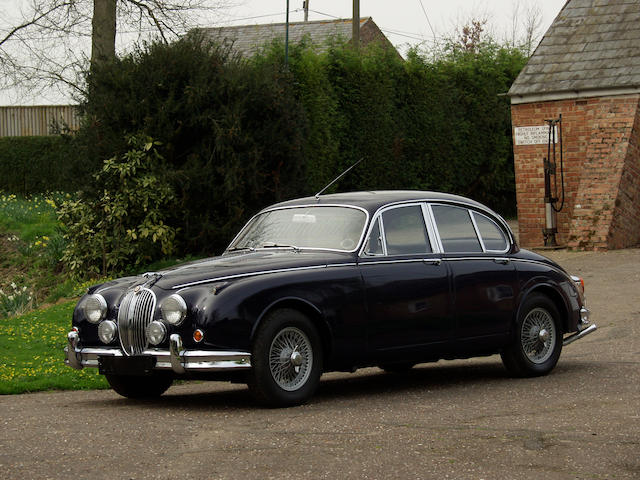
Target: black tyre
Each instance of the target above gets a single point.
(397, 367)
(132, 386)
(286, 359)
(537, 341)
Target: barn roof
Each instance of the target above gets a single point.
(591, 49)
(247, 39)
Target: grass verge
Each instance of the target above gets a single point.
(32, 353)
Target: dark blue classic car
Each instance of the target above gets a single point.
(334, 282)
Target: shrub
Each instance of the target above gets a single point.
(124, 225)
(30, 165)
(232, 135)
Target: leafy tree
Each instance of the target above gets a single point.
(125, 225)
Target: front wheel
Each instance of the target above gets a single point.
(536, 348)
(132, 386)
(286, 361)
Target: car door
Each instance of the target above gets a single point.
(406, 285)
(484, 279)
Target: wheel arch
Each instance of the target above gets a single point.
(308, 309)
(556, 297)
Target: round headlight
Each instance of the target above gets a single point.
(95, 308)
(156, 333)
(173, 309)
(107, 331)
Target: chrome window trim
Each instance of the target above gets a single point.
(382, 239)
(473, 214)
(314, 205)
(431, 232)
(477, 230)
(436, 232)
(378, 216)
(385, 252)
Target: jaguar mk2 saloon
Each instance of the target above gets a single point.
(334, 283)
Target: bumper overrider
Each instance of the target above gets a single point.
(584, 327)
(176, 358)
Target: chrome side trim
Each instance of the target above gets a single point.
(434, 261)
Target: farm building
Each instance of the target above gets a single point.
(586, 70)
(248, 39)
(37, 120)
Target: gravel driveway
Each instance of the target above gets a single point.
(459, 420)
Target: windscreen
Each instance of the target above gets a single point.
(323, 227)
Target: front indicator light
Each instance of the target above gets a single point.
(173, 309)
(198, 335)
(156, 333)
(95, 308)
(107, 331)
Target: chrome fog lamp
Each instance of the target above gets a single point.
(107, 331)
(174, 309)
(156, 333)
(95, 308)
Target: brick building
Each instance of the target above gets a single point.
(587, 69)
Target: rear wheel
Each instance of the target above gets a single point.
(536, 348)
(132, 386)
(286, 360)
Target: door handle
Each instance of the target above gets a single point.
(432, 261)
(502, 261)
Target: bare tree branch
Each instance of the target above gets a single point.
(45, 43)
(33, 21)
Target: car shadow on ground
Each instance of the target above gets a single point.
(432, 379)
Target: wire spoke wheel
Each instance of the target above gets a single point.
(538, 335)
(290, 358)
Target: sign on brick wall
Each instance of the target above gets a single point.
(532, 135)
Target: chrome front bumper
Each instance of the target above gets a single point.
(584, 328)
(176, 358)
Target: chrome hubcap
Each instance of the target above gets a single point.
(544, 335)
(290, 358)
(538, 335)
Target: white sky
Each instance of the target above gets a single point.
(404, 22)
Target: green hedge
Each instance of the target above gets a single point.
(240, 134)
(30, 165)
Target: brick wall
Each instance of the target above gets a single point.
(601, 170)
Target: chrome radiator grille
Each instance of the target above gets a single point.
(135, 313)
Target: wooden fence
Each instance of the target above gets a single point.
(37, 120)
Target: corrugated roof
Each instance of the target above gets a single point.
(247, 39)
(591, 45)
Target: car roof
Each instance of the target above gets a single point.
(373, 200)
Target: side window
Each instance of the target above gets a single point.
(492, 236)
(456, 229)
(405, 231)
(374, 242)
